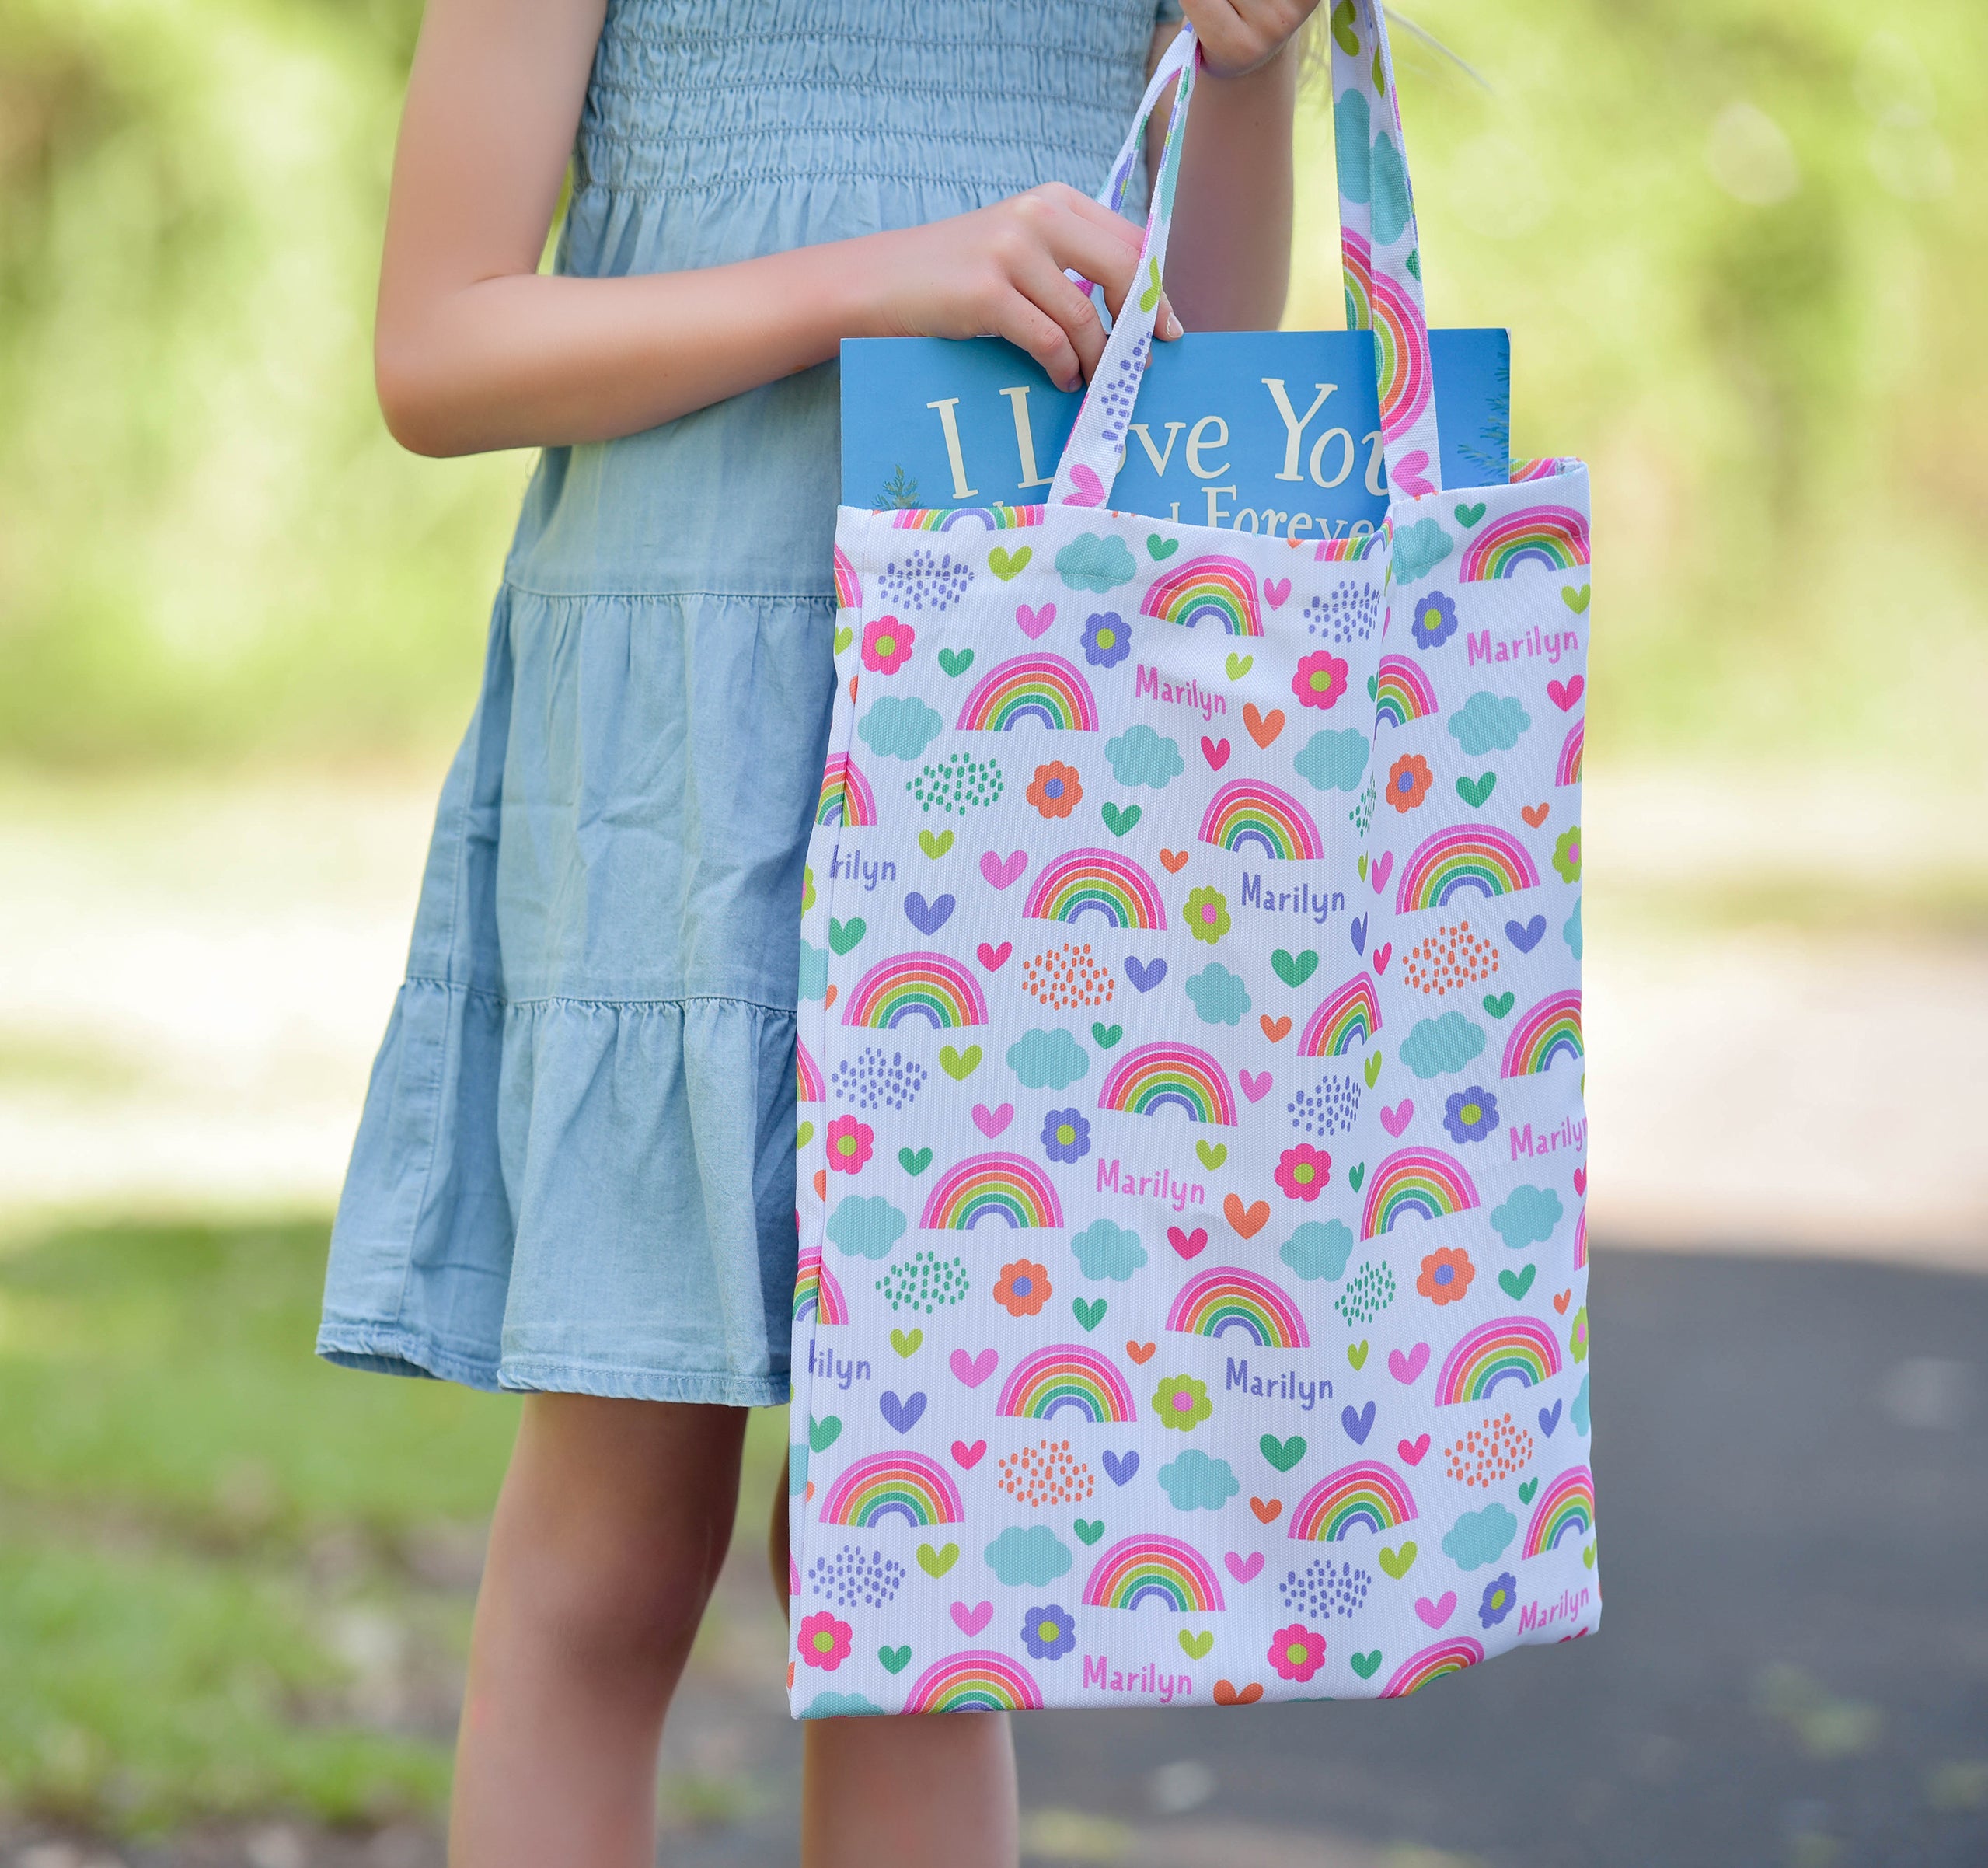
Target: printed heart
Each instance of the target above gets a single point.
(1366, 1665)
(1383, 870)
(844, 637)
(1196, 1646)
(1497, 1004)
(1002, 870)
(1032, 622)
(1362, 865)
(1239, 665)
(843, 935)
(1276, 1030)
(956, 661)
(1474, 791)
(1397, 1563)
(1526, 935)
(1527, 1489)
(1161, 549)
(1254, 1087)
(1560, 1301)
(1120, 1466)
(1467, 516)
(1267, 1509)
(1536, 815)
(974, 1369)
(851, 687)
(936, 1562)
(1228, 1694)
(1355, 1175)
(1383, 954)
(1248, 1220)
(1359, 928)
(1575, 600)
(1172, 862)
(1244, 1569)
(1089, 488)
(1118, 820)
(1140, 1352)
(990, 1123)
(1588, 1555)
(935, 846)
(803, 1135)
(959, 1065)
(1088, 1529)
(1091, 1312)
(1006, 565)
(927, 917)
(1580, 1180)
(1406, 475)
(1357, 1425)
(1264, 727)
(994, 958)
(823, 1434)
(821, 1183)
(971, 1620)
(1356, 1353)
(1397, 1119)
(1149, 298)
(1188, 1245)
(1215, 752)
(1412, 1450)
(1549, 1419)
(894, 1660)
(1210, 1154)
(1282, 1454)
(902, 1416)
(808, 1490)
(1515, 1284)
(1294, 970)
(914, 1160)
(907, 1342)
(829, 999)
(1436, 1613)
(1565, 693)
(1373, 693)
(1406, 1369)
(1145, 975)
(789, 1676)
(1275, 590)
(1107, 1035)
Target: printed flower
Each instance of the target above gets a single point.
(1304, 1171)
(1567, 855)
(1435, 620)
(1296, 1653)
(1207, 914)
(1446, 1275)
(1408, 781)
(1500, 1592)
(1049, 1632)
(887, 645)
(1065, 1135)
(1470, 1115)
(1577, 1337)
(824, 1641)
(1107, 641)
(849, 1144)
(1181, 1402)
(1024, 1288)
(1321, 679)
(1056, 791)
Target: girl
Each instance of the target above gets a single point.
(575, 1175)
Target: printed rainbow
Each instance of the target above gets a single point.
(1415, 1180)
(1153, 1565)
(1556, 536)
(1403, 364)
(979, 1681)
(1041, 686)
(848, 586)
(1212, 586)
(897, 1484)
(1099, 880)
(846, 797)
(1551, 1029)
(1517, 1348)
(1351, 1016)
(1224, 1298)
(928, 986)
(1450, 1657)
(944, 518)
(1567, 769)
(816, 1292)
(1248, 811)
(1567, 1504)
(1011, 1188)
(808, 1086)
(1364, 1494)
(1465, 856)
(1580, 1239)
(1066, 1375)
(1349, 549)
(1402, 692)
(1156, 1075)
(1356, 272)
(1541, 467)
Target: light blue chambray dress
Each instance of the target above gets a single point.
(575, 1169)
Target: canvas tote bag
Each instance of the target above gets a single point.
(1193, 1302)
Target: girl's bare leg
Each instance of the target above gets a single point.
(608, 1534)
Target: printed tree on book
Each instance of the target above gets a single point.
(902, 491)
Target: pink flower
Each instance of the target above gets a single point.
(1296, 1652)
(824, 1641)
(1321, 679)
(887, 644)
(849, 1144)
(1302, 1172)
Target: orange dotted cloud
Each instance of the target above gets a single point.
(1450, 957)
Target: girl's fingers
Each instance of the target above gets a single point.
(1027, 325)
(1053, 291)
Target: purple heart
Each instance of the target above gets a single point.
(927, 917)
(1549, 1419)
(1119, 1467)
(1357, 1425)
(1525, 935)
(903, 1415)
(1358, 930)
(1145, 974)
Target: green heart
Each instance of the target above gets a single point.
(1373, 687)
(1150, 297)
(1240, 666)
(1211, 1154)
(821, 1434)
(1414, 262)
(1397, 1563)
(1106, 1035)
(1195, 1646)
(1526, 1490)
(1474, 791)
(803, 1135)
(844, 637)
(955, 661)
(843, 935)
(1356, 1174)
(907, 1342)
(1363, 865)
(1006, 564)
(1372, 1069)
(1090, 1311)
(1159, 547)
(1497, 1004)
(1090, 1529)
(915, 1161)
(1283, 1454)
(807, 887)
(1515, 1284)
(1120, 819)
(959, 1065)
(1295, 969)
(1366, 1665)
(1356, 1353)
(936, 1562)
(935, 846)
(1588, 1555)
(1575, 600)
(1468, 515)
(896, 1660)
(1347, 41)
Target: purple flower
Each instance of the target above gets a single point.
(1107, 641)
(1500, 1594)
(1435, 621)
(1065, 1135)
(1470, 1115)
(1049, 1632)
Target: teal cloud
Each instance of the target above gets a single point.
(1485, 724)
(1140, 756)
(1031, 1558)
(1418, 549)
(1047, 1060)
(866, 1228)
(1352, 131)
(797, 1469)
(1219, 996)
(1579, 1413)
(899, 726)
(1390, 192)
(1088, 562)
(1106, 1250)
(1571, 934)
(1437, 1045)
(813, 971)
(840, 1705)
(1528, 1216)
(1196, 1481)
(1478, 1538)
(1318, 1248)
(1334, 761)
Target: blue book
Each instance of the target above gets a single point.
(1276, 431)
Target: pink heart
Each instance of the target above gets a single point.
(971, 1620)
(1435, 1613)
(994, 958)
(974, 1369)
(969, 1456)
(1406, 476)
(990, 1123)
(1402, 1368)
(1214, 751)
(1580, 1180)
(1033, 622)
(1002, 870)
(1411, 1450)
(1244, 1569)
(1275, 590)
(1383, 870)
(1089, 488)
(1395, 1119)
(1187, 1244)
(1383, 954)
(1566, 692)
(1255, 1088)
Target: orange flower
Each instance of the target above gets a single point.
(1446, 1275)
(1408, 781)
(1057, 791)
(1024, 1288)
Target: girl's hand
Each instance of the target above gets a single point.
(1002, 272)
(1238, 36)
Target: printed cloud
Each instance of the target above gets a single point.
(1219, 996)
(899, 726)
(1437, 1045)
(1318, 1248)
(813, 971)
(1528, 1215)
(1031, 1558)
(1478, 1538)
(840, 1705)
(1047, 1060)
(1106, 1250)
(1088, 562)
(1196, 1482)
(866, 1228)
(1485, 724)
(1334, 761)
(1140, 756)
(1418, 550)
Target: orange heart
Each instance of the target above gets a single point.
(851, 687)
(1247, 1221)
(1264, 727)
(1276, 1030)
(1267, 1509)
(821, 1183)
(1174, 860)
(789, 1676)
(1535, 814)
(1141, 1352)
(829, 998)
(1561, 1302)
(808, 1490)
(1225, 1694)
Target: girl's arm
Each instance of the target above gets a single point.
(475, 349)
